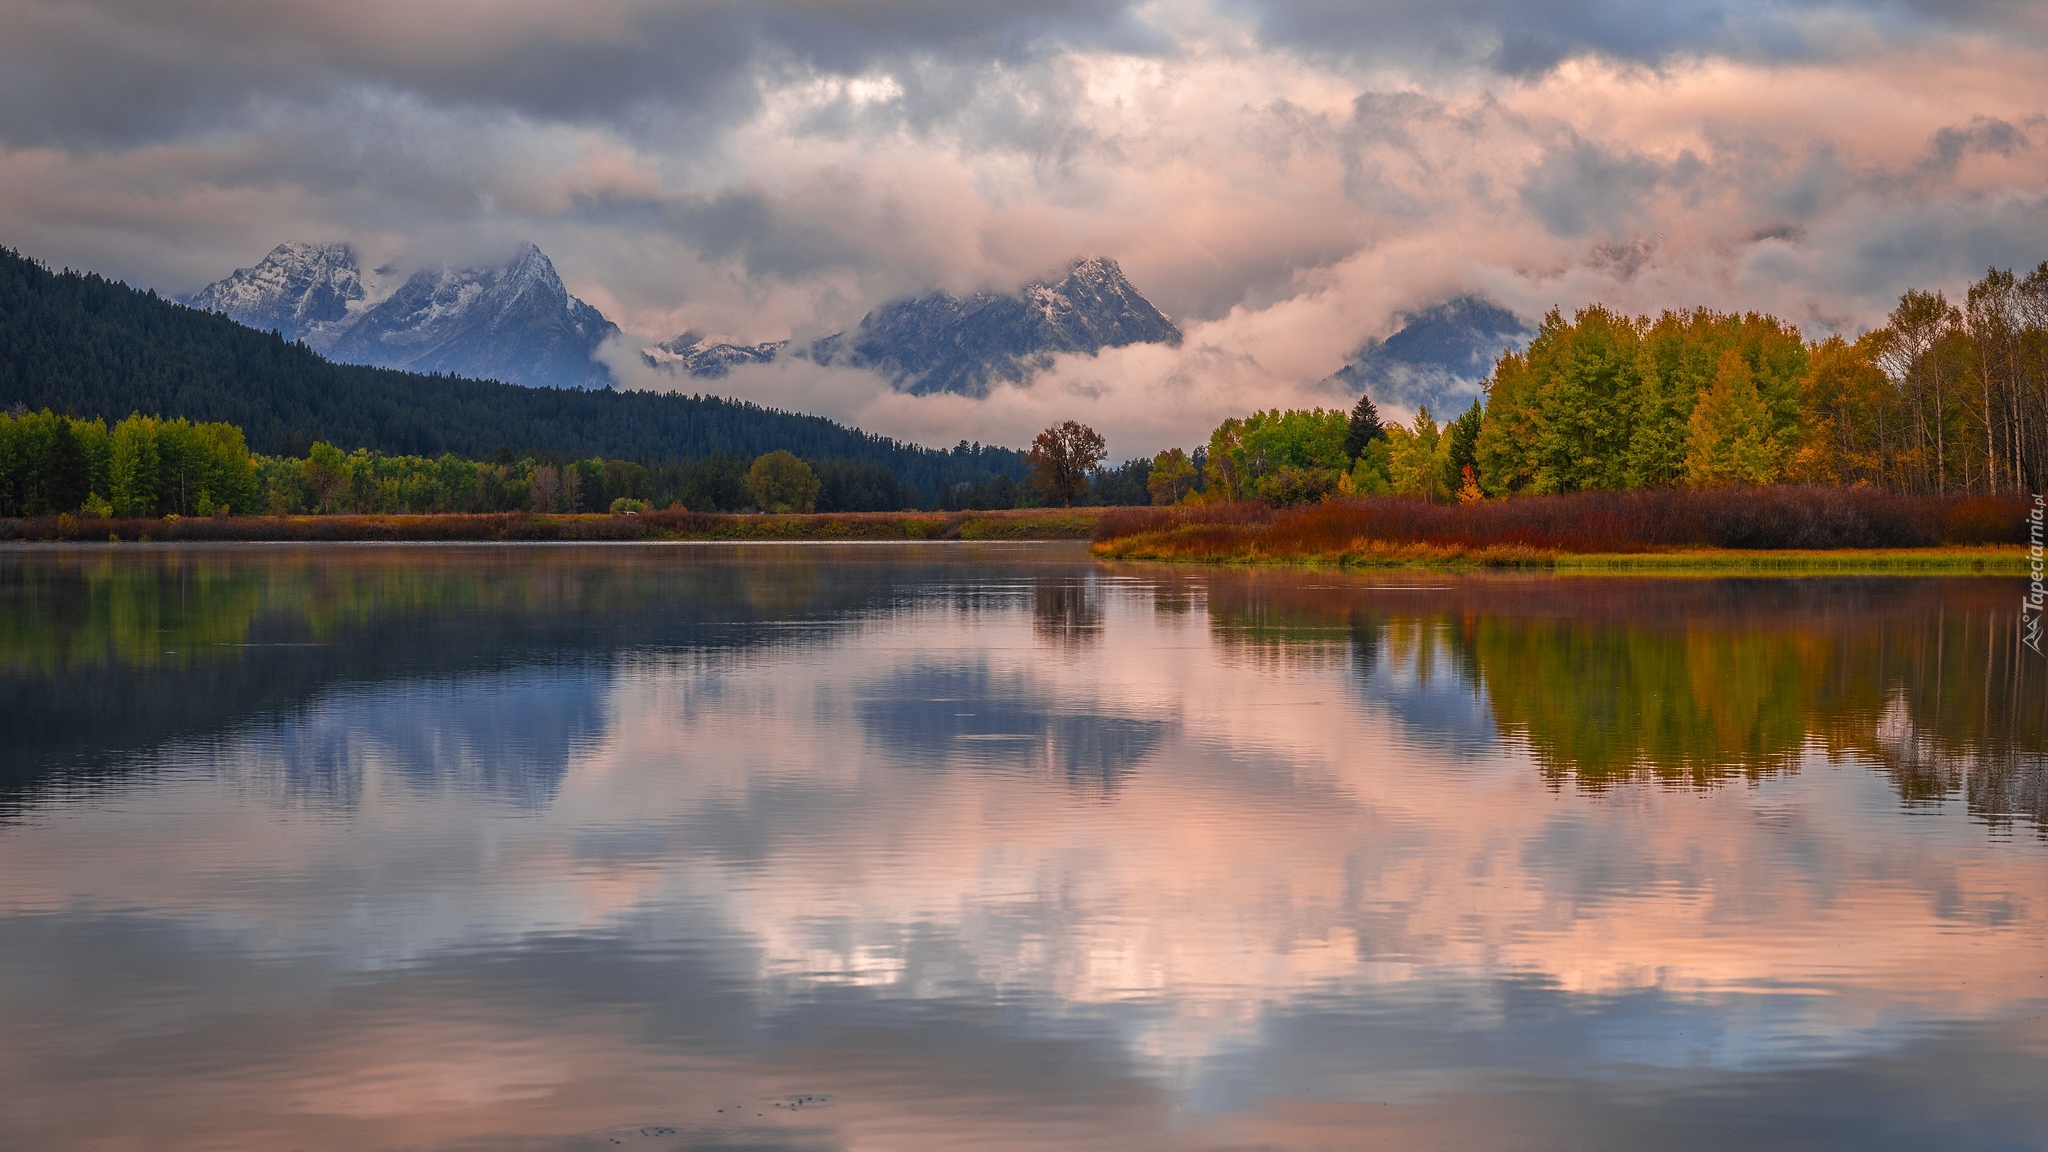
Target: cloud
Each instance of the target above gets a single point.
(114, 72)
(1522, 38)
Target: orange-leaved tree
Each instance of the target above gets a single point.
(1062, 457)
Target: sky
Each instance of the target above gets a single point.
(1285, 178)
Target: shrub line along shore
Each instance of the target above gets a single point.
(1786, 530)
(1025, 524)
(1364, 535)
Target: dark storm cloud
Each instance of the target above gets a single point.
(1522, 37)
(115, 72)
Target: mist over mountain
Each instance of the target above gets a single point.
(1440, 357)
(514, 322)
(966, 345)
(693, 355)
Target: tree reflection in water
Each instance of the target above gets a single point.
(1697, 682)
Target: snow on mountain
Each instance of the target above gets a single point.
(1441, 356)
(518, 323)
(515, 323)
(302, 291)
(966, 345)
(692, 354)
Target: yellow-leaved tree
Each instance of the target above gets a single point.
(1731, 439)
(782, 483)
(1414, 467)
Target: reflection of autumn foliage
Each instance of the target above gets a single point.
(1696, 704)
(1065, 610)
(1698, 682)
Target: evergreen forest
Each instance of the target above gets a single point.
(82, 345)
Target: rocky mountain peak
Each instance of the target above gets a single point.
(945, 343)
(514, 322)
(707, 359)
(298, 290)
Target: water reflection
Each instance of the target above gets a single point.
(508, 735)
(994, 847)
(972, 715)
(1689, 682)
(1066, 610)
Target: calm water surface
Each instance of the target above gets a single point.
(994, 847)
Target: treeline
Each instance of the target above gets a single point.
(89, 346)
(1943, 400)
(142, 466)
(146, 466)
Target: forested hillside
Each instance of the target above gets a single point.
(93, 347)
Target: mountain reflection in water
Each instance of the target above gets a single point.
(994, 846)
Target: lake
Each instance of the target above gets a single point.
(999, 847)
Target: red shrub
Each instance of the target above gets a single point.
(1749, 518)
(1985, 520)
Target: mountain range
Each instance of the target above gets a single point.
(513, 322)
(80, 343)
(516, 322)
(1441, 356)
(965, 345)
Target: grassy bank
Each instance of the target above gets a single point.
(1021, 524)
(1953, 560)
(1673, 531)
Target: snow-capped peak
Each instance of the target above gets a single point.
(298, 290)
(514, 322)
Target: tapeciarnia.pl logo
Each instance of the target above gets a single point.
(2030, 608)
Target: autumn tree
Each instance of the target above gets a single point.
(1415, 468)
(1291, 457)
(782, 483)
(1062, 457)
(1730, 439)
(1563, 412)
(1848, 416)
(1173, 477)
(1919, 355)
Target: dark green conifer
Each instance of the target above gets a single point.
(1365, 427)
(70, 481)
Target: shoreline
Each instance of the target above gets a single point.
(566, 528)
(1369, 556)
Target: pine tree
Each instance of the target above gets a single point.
(1461, 447)
(1365, 427)
(69, 481)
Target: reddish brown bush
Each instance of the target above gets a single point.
(1745, 518)
(1985, 520)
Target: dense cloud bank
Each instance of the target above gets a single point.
(1284, 178)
